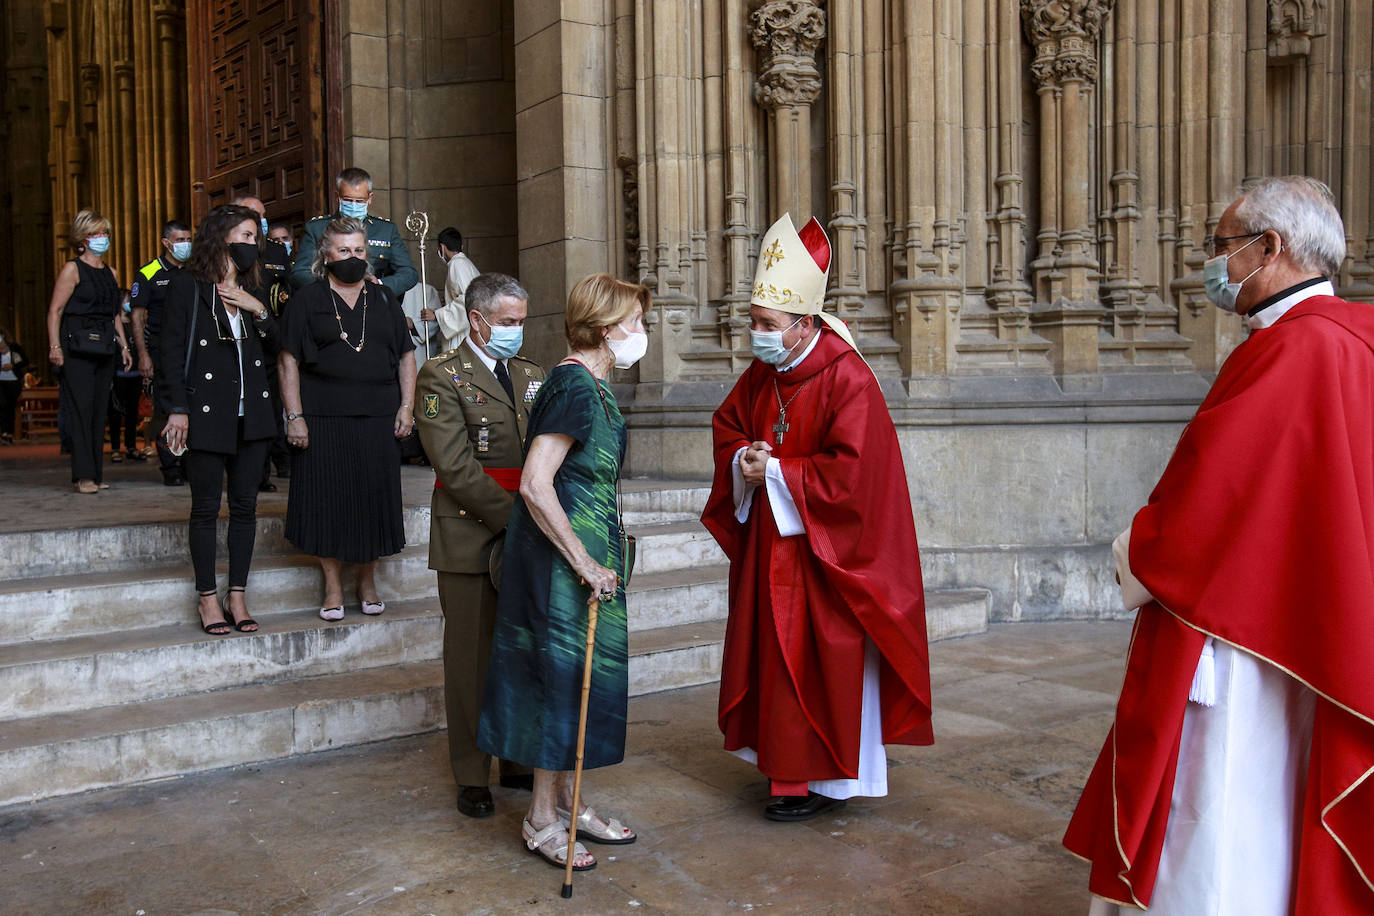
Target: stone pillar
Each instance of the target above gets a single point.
(786, 34)
(1067, 313)
(562, 92)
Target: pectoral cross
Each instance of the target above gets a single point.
(781, 427)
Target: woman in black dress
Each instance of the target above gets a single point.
(216, 342)
(347, 374)
(86, 343)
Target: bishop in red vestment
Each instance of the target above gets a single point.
(825, 651)
(1238, 777)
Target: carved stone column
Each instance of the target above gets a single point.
(786, 34)
(1067, 312)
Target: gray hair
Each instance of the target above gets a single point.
(485, 292)
(344, 225)
(1303, 212)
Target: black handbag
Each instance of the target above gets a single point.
(89, 335)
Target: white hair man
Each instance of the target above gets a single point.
(1235, 778)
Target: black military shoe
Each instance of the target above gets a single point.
(801, 807)
(475, 801)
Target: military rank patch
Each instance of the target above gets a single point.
(531, 391)
(431, 405)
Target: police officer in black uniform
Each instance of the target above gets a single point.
(146, 298)
(387, 253)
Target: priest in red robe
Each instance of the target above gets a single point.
(1238, 777)
(825, 650)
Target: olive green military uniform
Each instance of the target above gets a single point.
(387, 253)
(467, 423)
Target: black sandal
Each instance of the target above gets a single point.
(217, 627)
(247, 624)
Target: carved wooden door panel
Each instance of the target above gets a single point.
(262, 106)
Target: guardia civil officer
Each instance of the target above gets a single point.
(471, 412)
(387, 254)
(147, 297)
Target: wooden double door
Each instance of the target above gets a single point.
(265, 112)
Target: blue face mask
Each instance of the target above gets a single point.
(353, 209)
(1216, 279)
(287, 245)
(99, 244)
(264, 226)
(181, 250)
(767, 345)
(505, 341)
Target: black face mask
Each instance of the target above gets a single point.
(348, 270)
(243, 254)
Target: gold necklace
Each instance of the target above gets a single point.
(343, 335)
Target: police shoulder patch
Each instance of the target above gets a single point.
(431, 406)
(133, 290)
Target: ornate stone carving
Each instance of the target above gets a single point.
(1293, 24)
(786, 34)
(1064, 35)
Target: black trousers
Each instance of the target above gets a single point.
(169, 464)
(86, 394)
(9, 399)
(205, 472)
(124, 411)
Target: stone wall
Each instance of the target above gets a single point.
(429, 111)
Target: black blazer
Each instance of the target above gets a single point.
(208, 393)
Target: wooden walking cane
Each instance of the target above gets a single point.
(592, 610)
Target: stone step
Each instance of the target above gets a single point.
(673, 657)
(59, 755)
(110, 548)
(59, 607)
(678, 597)
(136, 666)
(951, 612)
(650, 502)
(670, 546)
(42, 756)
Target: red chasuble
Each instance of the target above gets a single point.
(1261, 534)
(801, 607)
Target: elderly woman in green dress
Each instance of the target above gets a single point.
(563, 550)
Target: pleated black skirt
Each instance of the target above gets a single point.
(345, 498)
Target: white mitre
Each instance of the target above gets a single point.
(792, 271)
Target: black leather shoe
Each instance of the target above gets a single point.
(801, 807)
(518, 781)
(475, 801)
(267, 486)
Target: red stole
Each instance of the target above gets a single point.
(801, 607)
(1260, 533)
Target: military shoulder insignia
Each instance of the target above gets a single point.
(431, 405)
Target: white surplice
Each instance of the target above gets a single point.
(872, 773)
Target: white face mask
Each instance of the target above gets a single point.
(1216, 278)
(629, 351)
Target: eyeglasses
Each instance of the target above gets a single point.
(219, 332)
(1213, 243)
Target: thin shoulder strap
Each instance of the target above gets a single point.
(191, 334)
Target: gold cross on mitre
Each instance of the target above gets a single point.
(773, 254)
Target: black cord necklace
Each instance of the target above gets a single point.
(343, 335)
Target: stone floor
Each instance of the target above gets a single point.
(971, 825)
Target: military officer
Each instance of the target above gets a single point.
(387, 253)
(145, 302)
(472, 407)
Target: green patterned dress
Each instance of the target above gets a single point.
(534, 681)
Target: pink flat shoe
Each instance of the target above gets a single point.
(373, 608)
(331, 613)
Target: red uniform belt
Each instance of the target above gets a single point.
(507, 478)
